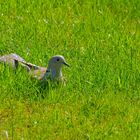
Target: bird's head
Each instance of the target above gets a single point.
(57, 62)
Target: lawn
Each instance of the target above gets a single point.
(101, 42)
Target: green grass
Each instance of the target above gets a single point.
(101, 42)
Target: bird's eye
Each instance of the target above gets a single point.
(57, 59)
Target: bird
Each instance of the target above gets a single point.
(52, 72)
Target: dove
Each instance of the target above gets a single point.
(52, 72)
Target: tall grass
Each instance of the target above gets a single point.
(100, 40)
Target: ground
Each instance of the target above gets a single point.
(101, 42)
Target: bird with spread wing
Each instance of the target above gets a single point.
(52, 72)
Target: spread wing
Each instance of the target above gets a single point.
(30, 65)
(14, 60)
(10, 57)
(35, 71)
(11, 60)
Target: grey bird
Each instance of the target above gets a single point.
(52, 72)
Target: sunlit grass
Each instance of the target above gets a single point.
(100, 40)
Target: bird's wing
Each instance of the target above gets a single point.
(35, 71)
(40, 73)
(11, 59)
(15, 59)
(30, 65)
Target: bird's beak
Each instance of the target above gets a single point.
(66, 64)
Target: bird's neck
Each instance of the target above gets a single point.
(55, 73)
